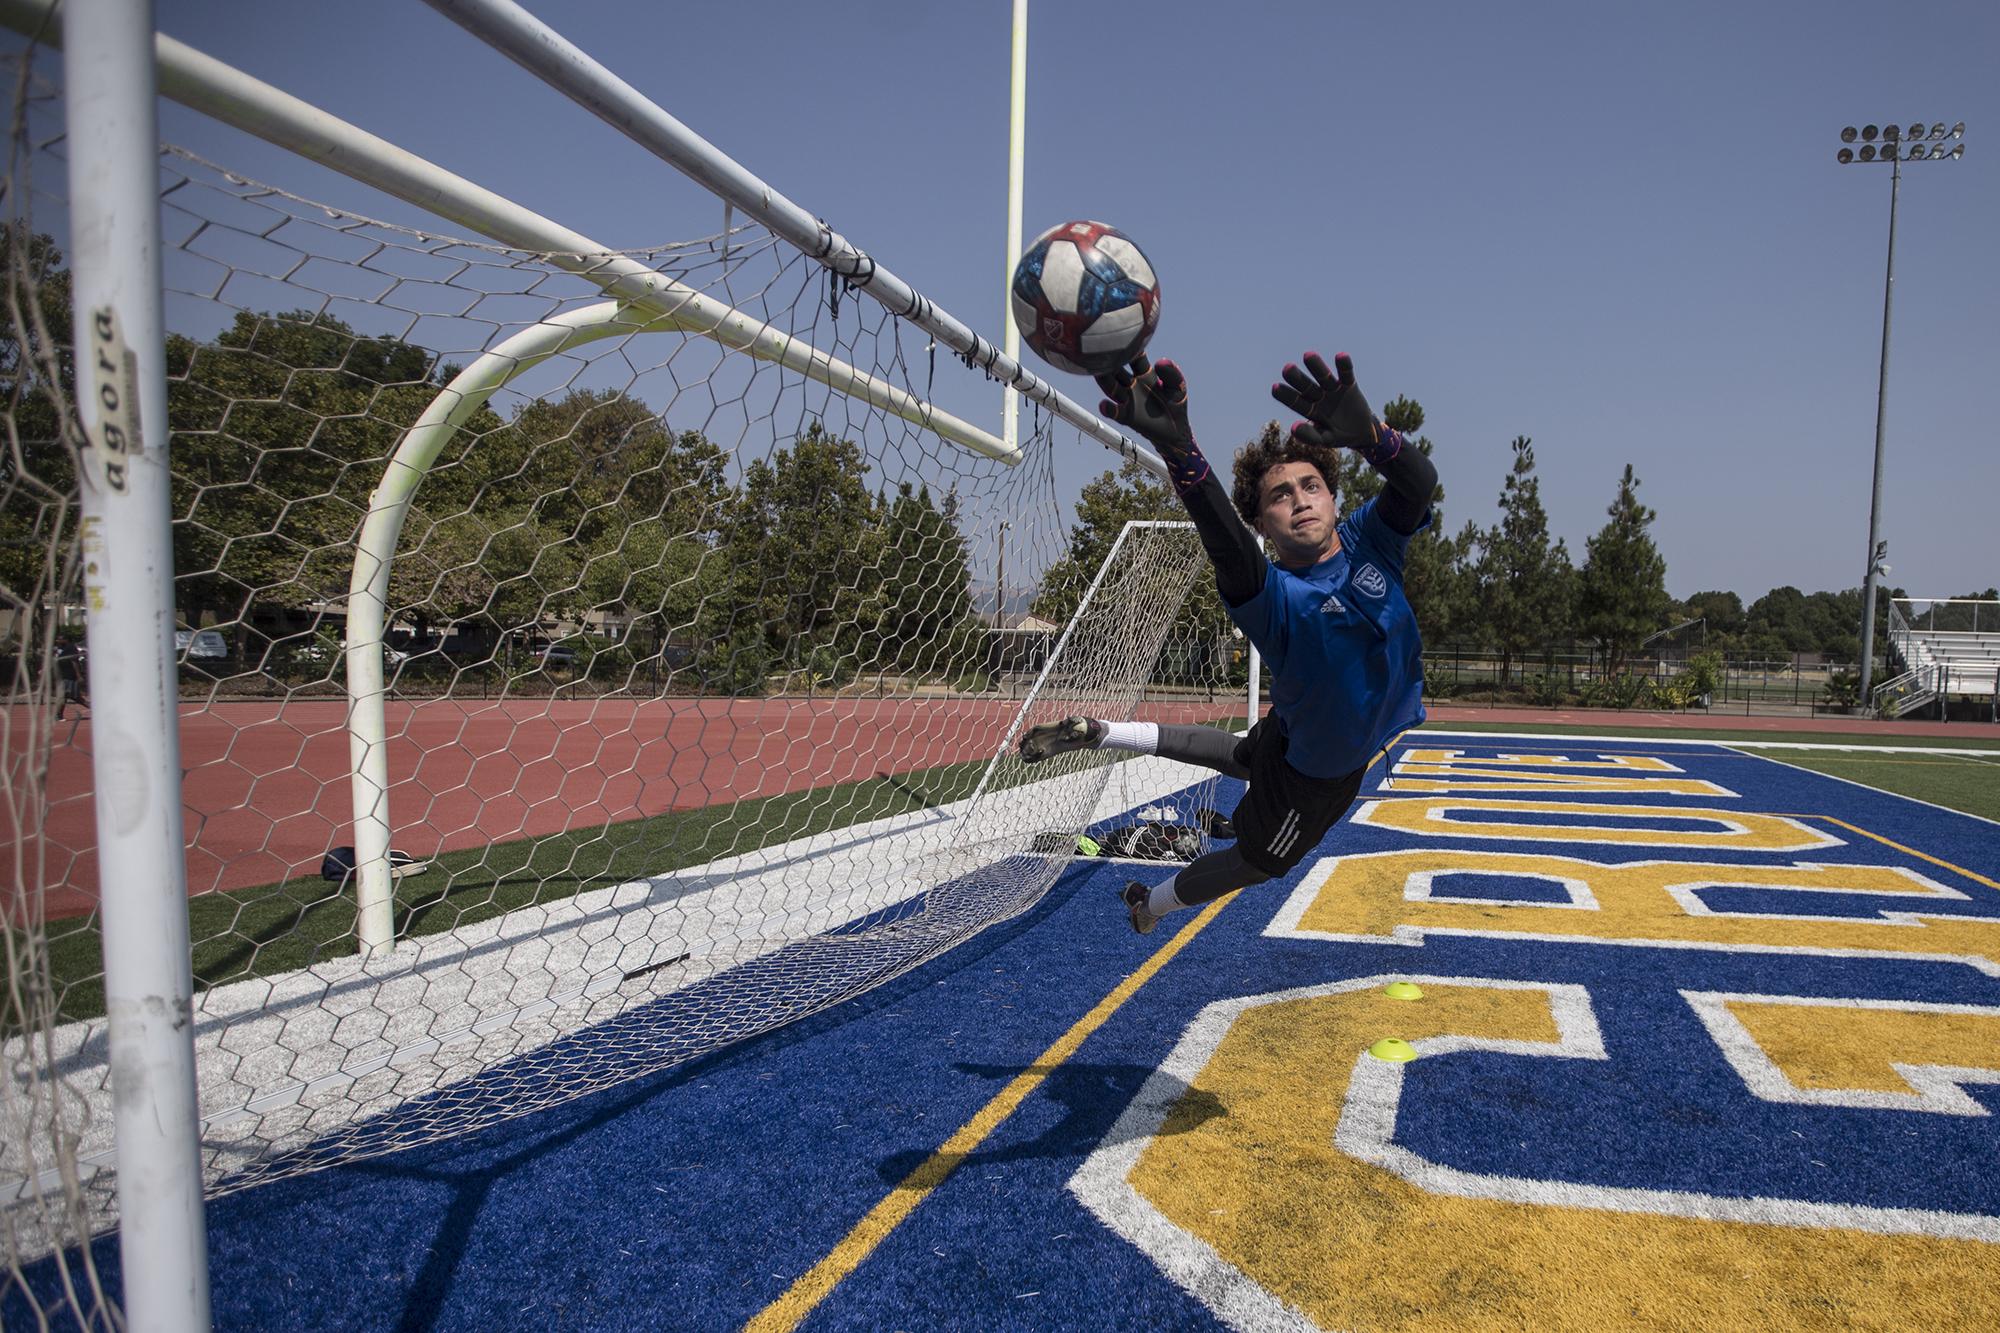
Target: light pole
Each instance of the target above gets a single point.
(1000, 593)
(1897, 146)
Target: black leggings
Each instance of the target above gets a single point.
(1224, 870)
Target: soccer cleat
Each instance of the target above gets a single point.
(1053, 738)
(1138, 900)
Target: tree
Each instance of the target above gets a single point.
(1722, 614)
(1103, 509)
(803, 542)
(1451, 609)
(924, 615)
(282, 427)
(1776, 624)
(1622, 590)
(38, 456)
(1525, 583)
(1958, 613)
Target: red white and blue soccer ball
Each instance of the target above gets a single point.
(1085, 299)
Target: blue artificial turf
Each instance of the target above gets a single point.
(692, 1198)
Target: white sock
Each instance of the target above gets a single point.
(1163, 899)
(1141, 736)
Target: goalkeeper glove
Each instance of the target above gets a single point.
(1336, 415)
(1152, 400)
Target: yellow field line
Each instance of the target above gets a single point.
(1922, 856)
(809, 1290)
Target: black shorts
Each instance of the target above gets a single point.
(1285, 813)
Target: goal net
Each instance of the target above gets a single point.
(695, 651)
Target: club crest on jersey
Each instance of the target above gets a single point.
(1331, 606)
(1369, 581)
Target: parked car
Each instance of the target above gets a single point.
(317, 652)
(201, 644)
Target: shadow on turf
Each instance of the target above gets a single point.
(1092, 1097)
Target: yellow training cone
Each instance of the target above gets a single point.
(1393, 1049)
(1403, 990)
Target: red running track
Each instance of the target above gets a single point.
(266, 789)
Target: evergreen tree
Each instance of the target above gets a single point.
(1103, 509)
(803, 541)
(923, 621)
(38, 456)
(1622, 590)
(1452, 610)
(1525, 582)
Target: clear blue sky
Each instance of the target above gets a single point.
(1617, 228)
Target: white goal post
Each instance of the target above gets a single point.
(121, 407)
(649, 596)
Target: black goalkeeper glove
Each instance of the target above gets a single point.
(1336, 415)
(1151, 398)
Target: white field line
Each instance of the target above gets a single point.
(1879, 791)
(1730, 744)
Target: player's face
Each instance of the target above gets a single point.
(1296, 514)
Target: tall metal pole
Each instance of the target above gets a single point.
(1881, 416)
(1897, 146)
(1000, 592)
(1017, 119)
(128, 585)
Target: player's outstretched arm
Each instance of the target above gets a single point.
(1151, 399)
(1338, 416)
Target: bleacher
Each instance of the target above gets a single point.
(1948, 648)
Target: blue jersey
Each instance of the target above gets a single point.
(1346, 661)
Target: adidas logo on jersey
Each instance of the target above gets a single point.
(1332, 604)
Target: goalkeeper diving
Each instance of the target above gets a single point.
(1327, 611)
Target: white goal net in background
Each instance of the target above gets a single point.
(698, 675)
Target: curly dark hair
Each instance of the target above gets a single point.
(1268, 451)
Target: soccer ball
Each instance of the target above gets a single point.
(1085, 299)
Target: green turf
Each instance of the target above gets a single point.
(1726, 734)
(280, 928)
(1957, 782)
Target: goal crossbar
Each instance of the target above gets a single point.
(545, 53)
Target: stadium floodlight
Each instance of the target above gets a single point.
(1891, 136)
